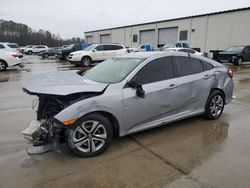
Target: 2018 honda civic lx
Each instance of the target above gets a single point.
(124, 95)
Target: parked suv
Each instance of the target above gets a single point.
(96, 52)
(36, 49)
(235, 54)
(63, 53)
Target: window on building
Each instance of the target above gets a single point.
(135, 38)
(183, 35)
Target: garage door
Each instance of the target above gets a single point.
(105, 39)
(147, 37)
(89, 39)
(168, 35)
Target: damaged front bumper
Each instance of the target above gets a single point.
(44, 135)
(32, 127)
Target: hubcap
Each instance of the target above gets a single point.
(90, 136)
(216, 105)
(2, 66)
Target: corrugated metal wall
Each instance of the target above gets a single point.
(216, 31)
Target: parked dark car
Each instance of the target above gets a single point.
(50, 52)
(64, 53)
(235, 54)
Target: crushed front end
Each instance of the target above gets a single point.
(47, 130)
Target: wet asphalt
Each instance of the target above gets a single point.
(189, 153)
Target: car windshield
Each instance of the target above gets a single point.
(235, 49)
(169, 45)
(112, 70)
(89, 48)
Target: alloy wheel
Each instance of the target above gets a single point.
(216, 105)
(86, 61)
(89, 136)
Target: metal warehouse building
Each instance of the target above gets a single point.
(213, 31)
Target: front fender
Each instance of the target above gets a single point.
(94, 104)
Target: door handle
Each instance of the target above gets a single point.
(172, 86)
(207, 76)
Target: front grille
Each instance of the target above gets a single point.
(225, 56)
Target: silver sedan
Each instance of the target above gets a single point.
(124, 95)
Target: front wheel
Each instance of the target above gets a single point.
(91, 136)
(215, 105)
(86, 61)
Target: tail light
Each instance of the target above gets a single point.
(230, 72)
(14, 55)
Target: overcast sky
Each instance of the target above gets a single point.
(70, 18)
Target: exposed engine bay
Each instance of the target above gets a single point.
(46, 129)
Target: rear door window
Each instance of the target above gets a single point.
(13, 45)
(207, 66)
(157, 70)
(184, 66)
(2, 46)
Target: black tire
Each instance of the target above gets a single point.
(89, 144)
(45, 55)
(3, 65)
(30, 52)
(86, 61)
(238, 61)
(215, 105)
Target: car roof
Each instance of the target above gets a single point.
(146, 55)
(7, 43)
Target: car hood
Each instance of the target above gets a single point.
(60, 83)
(229, 53)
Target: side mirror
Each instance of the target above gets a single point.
(94, 50)
(139, 90)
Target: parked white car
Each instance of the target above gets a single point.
(8, 59)
(36, 49)
(11, 47)
(96, 52)
(187, 50)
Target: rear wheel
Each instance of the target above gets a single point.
(239, 61)
(86, 61)
(46, 55)
(3, 65)
(215, 105)
(30, 52)
(91, 136)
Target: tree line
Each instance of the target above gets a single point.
(23, 35)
